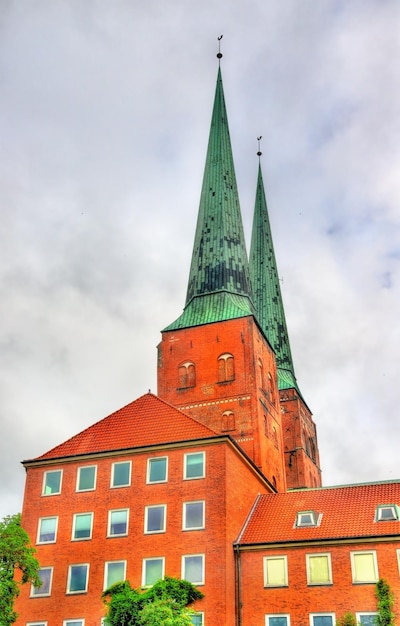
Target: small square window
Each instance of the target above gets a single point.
(277, 620)
(47, 530)
(153, 570)
(82, 526)
(74, 622)
(155, 518)
(193, 568)
(367, 619)
(45, 575)
(307, 518)
(319, 570)
(118, 522)
(197, 619)
(193, 515)
(86, 479)
(121, 474)
(194, 465)
(387, 513)
(52, 483)
(275, 571)
(114, 572)
(322, 619)
(157, 470)
(77, 578)
(364, 567)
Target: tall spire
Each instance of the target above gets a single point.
(219, 282)
(266, 288)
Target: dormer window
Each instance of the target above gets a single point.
(306, 519)
(387, 513)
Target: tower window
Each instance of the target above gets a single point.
(186, 375)
(228, 421)
(226, 368)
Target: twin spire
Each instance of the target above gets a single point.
(223, 284)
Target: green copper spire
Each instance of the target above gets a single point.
(219, 282)
(266, 288)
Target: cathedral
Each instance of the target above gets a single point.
(215, 479)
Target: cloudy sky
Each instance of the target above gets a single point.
(104, 119)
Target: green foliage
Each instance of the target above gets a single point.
(385, 600)
(15, 554)
(348, 619)
(163, 604)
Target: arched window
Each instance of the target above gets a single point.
(228, 420)
(262, 375)
(271, 389)
(226, 368)
(186, 375)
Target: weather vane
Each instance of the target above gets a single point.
(259, 153)
(219, 55)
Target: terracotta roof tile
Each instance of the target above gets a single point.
(145, 421)
(347, 511)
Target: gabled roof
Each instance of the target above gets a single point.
(219, 282)
(144, 422)
(346, 512)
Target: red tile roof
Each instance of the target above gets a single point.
(347, 511)
(144, 422)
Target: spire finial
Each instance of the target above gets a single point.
(259, 153)
(219, 55)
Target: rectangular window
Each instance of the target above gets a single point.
(157, 470)
(154, 518)
(82, 526)
(193, 515)
(277, 620)
(36, 624)
(366, 619)
(86, 478)
(45, 575)
(114, 572)
(319, 570)
(322, 619)
(153, 570)
(121, 474)
(275, 571)
(364, 567)
(74, 622)
(78, 578)
(197, 619)
(193, 568)
(47, 530)
(52, 483)
(194, 465)
(118, 522)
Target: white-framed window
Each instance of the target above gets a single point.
(275, 571)
(387, 513)
(118, 522)
(366, 619)
(193, 568)
(152, 570)
(193, 515)
(121, 474)
(78, 576)
(46, 575)
(74, 622)
(194, 465)
(36, 623)
(157, 469)
(197, 618)
(52, 482)
(364, 566)
(86, 478)
(82, 526)
(155, 518)
(47, 529)
(306, 519)
(322, 619)
(114, 572)
(319, 569)
(278, 619)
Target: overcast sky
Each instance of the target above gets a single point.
(105, 110)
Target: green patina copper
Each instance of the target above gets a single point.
(267, 291)
(219, 282)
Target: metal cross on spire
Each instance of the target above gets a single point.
(219, 55)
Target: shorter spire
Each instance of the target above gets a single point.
(219, 55)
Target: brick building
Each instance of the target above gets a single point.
(217, 478)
